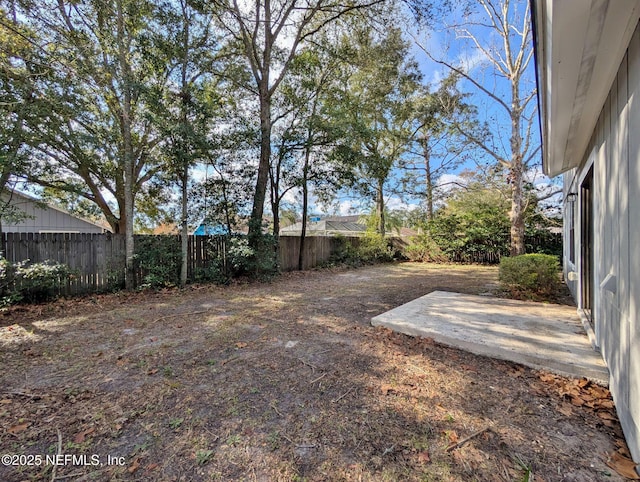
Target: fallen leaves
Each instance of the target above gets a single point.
(135, 465)
(81, 436)
(18, 428)
(386, 389)
(414, 388)
(583, 393)
(565, 409)
(424, 457)
(622, 465)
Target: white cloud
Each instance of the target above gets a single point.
(347, 207)
(470, 60)
(291, 197)
(450, 182)
(396, 203)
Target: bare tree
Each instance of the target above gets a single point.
(500, 32)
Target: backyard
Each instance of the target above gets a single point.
(285, 380)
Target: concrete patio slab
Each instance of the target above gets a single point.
(538, 335)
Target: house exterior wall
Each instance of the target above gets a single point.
(613, 156)
(44, 219)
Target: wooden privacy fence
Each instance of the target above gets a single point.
(317, 250)
(98, 260)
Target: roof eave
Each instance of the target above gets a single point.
(579, 45)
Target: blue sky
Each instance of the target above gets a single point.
(444, 41)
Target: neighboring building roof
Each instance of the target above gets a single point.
(217, 229)
(579, 45)
(166, 228)
(43, 217)
(325, 227)
(404, 232)
(354, 218)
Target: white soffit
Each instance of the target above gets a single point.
(580, 46)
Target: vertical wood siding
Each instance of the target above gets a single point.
(614, 152)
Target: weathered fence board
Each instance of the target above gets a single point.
(98, 260)
(317, 250)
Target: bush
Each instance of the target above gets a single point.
(342, 253)
(158, 258)
(530, 274)
(31, 282)
(240, 260)
(423, 248)
(371, 248)
(374, 248)
(256, 262)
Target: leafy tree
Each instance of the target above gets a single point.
(394, 220)
(96, 141)
(21, 68)
(268, 35)
(437, 142)
(185, 108)
(474, 223)
(376, 105)
(224, 196)
(306, 135)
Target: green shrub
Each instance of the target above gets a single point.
(423, 248)
(530, 274)
(343, 252)
(158, 259)
(257, 262)
(214, 273)
(238, 259)
(31, 282)
(8, 296)
(374, 248)
(371, 248)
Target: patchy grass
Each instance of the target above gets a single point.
(286, 381)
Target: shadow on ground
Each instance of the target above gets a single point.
(281, 381)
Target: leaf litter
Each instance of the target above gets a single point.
(345, 402)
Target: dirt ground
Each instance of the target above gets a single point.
(284, 380)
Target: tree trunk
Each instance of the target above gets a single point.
(426, 152)
(275, 207)
(516, 171)
(127, 152)
(184, 238)
(517, 212)
(255, 222)
(305, 206)
(183, 152)
(380, 206)
(227, 208)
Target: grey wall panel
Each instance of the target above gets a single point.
(630, 250)
(615, 156)
(600, 188)
(43, 219)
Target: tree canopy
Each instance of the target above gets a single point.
(179, 111)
